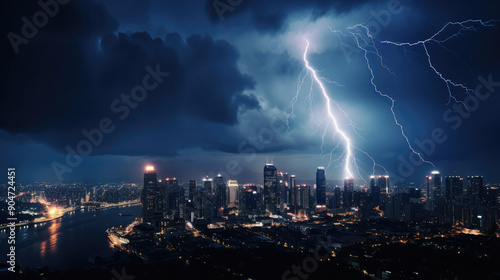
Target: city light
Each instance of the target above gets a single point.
(150, 168)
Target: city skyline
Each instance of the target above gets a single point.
(211, 95)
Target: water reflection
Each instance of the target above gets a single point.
(67, 240)
(53, 235)
(43, 249)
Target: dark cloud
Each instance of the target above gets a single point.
(270, 15)
(66, 77)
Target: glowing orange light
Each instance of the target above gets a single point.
(150, 168)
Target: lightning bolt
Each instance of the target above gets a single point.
(367, 43)
(369, 46)
(467, 25)
(347, 158)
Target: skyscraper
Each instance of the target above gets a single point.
(292, 192)
(282, 198)
(433, 189)
(220, 192)
(208, 198)
(152, 197)
(475, 189)
(374, 190)
(383, 183)
(379, 188)
(232, 186)
(348, 192)
(453, 188)
(303, 192)
(174, 198)
(270, 188)
(320, 186)
(337, 197)
(191, 189)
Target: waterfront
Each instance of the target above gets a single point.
(69, 239)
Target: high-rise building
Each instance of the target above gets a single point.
(320, 186)
(292, 192)
(383, 183)
(232, 187)
(250, 200)
(270, 188)
(303, 200)
(415, 194)
(379, 188)
(208, 199)
(348, 193)
(337, 197)
(282, 198)
(174, 198)
(475, 189)
(374, 190)
(453, 188)
(152, 198)
(191, 189)
(220, 192)
(433, 189)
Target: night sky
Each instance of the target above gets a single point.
(223, 78)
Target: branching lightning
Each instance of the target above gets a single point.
(467, 25)
(367, 43)
(347, 158)
(369, 46)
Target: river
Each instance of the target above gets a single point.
(67, 240)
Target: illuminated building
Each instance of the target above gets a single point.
(433, 189)
(270, 188)
(152, 197)
(453, 188)
(293, 192)
(175, 199)
(232, 187)
(191, 189)
(337, 197)
(283, 191)
(348, 193)
(303, 200)
(320, 186)
(379, 189)
(208, 199)
(220, 192)
(475, 189)
(250, 200)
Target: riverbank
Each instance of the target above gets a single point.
(64, 211)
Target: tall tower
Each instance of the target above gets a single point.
(433, 189)
(232, 186)
(208, 200)
(434, 185)
(320, 186)
(293, 192)
(348, 192)
(191, 189)
(453, 188)
(374, 190)
(152, 197)
(270, 188)
(383, 183)
(175, 199)
(220, 192)
(475, 188)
